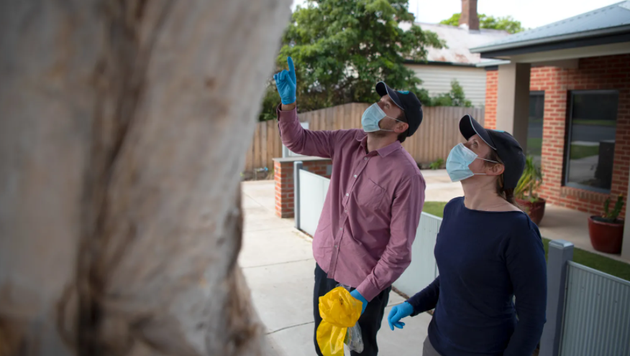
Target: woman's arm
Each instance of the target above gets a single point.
(525, 258)
(426, 299)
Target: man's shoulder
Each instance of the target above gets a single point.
(408, 164)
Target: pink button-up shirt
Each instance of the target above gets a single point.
(372, 208)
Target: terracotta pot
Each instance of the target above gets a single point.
(605, 236)
(535, 210)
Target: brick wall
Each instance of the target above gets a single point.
(598, 73)
(492, 82)
(283, 177)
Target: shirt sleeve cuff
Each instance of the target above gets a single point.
(368, 290)
(289, 114)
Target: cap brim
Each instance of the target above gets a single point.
(382, 89)
(469, 127)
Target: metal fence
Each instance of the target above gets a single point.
(596, 315)
(588, 311)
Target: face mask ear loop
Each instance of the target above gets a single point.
(487, 160)
(389, 117)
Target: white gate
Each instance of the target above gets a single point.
(423, 269)
(312, 193)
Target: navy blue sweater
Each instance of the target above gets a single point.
(484, 259)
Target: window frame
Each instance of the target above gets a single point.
(568, 138)
(534, 93)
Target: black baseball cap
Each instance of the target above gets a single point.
(407, 102)
(506, 146)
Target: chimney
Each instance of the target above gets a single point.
(469, 15)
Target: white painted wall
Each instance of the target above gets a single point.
(437, 80)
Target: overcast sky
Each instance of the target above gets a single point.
(531, 13)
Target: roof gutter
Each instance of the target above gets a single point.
(497, 62)
(547, 40)
(438, 63)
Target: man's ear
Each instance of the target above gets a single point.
(402, 128)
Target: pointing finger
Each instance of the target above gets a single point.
(291, 68)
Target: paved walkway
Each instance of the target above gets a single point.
(278, 264)
(570, 225)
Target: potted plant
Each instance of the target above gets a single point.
(606, 231)
(525, 192)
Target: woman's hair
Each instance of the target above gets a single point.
(507, 194)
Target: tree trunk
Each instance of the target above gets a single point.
(123, 127)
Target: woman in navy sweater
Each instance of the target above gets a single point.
(487, 252)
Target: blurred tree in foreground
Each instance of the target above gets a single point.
(120, 148)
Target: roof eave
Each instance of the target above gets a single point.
(554, 39)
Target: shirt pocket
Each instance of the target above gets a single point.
(369, 195)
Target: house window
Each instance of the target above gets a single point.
(590, 149)
(535, 125)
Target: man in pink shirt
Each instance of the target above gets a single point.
(372, 209)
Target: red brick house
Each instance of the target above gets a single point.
(563, 90)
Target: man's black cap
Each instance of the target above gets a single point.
(407, 102)
(506, 146)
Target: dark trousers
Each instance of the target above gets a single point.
(370, 321)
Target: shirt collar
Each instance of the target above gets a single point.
(383, 152)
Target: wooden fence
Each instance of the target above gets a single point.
(437, 134)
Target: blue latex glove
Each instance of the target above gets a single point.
(356, 295)
(285, 82)
(398, 312)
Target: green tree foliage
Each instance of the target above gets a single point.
(506, 23)
(455, 97)
(342, 48)
(269, 103)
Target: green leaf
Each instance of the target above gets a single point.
(507, 23)
(530, 181)
(452, 21)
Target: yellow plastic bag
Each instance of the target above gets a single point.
(339, 311)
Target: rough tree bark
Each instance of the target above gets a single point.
(123, 126)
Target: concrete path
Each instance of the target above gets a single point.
(570, 225)
(278, 264)
(440, 187)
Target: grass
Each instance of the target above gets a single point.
(534, 146)
(589, 259)
(598, 262)
(579, 151)
(610, 123)
(434, 208)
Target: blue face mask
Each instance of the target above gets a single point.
(371, 118)
(458, 161)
